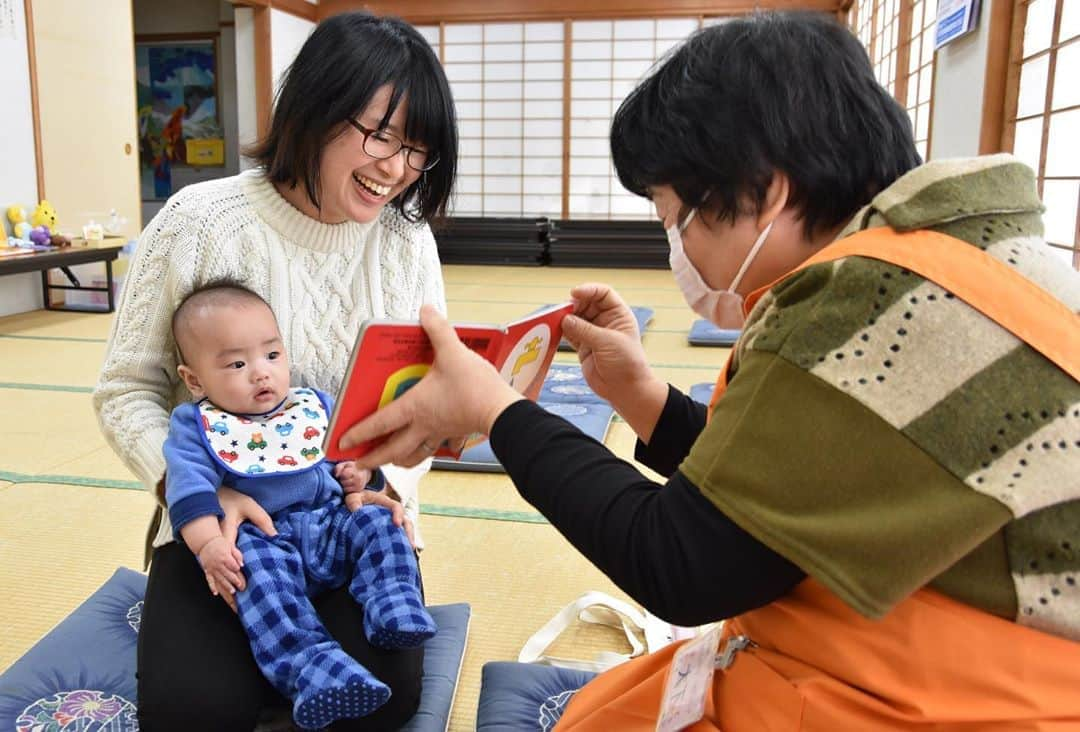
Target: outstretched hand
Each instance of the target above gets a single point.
(461, 394)
(605, 334)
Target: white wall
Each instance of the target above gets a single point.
(18, 179)
(247, 128)
(287, 35)
(959, 83)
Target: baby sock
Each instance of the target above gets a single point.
(334, 686)
(398, 619)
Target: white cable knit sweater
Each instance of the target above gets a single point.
(322, 281)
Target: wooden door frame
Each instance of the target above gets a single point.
(996, 99)
(264, 74)
(35, 111)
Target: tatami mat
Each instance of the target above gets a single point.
(70, 512)
(51, 362)
(58, 544)
(44, 429)
(43, 324)
(516, 577)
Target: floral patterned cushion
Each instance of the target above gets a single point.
(81, 676)
(525, 696)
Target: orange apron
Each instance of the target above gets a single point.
(816, 665)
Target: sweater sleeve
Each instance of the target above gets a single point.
(135, 388)
(192, 477)
(833, 487)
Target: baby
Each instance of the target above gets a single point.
(249, 430)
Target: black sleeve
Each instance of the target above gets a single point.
(667, 546)
(679, 425)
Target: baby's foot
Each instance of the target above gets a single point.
(334, 686)
(397, 620)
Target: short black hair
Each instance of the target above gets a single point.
(792, 92)
(221, 291)
(347, 58)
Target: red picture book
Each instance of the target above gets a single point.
(391, 356)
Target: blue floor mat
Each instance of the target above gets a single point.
(564, 393)
(704, 333)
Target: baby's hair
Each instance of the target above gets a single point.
(214, 293)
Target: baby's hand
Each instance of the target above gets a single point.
(221, 561)
(353, 480)
(354, 501)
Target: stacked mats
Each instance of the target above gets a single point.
(486, 240)
(81, 675)
(641, 314)
(578, 243)
(704, 333)
(564, 393)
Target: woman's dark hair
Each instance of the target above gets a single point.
(789, 92)
(342, 64)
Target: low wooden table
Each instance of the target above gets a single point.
(63, 259)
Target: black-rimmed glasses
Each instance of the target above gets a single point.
(381, 145)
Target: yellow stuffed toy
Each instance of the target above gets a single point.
(20, 227)
(44, 215)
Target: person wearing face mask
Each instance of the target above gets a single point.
(724, 308)
(882, 498)
(331, 228)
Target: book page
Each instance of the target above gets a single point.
(529, 347)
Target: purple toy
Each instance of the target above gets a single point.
(40, 235)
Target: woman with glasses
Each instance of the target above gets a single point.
(883, 497)
(330, 229)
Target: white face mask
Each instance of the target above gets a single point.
(722, 307)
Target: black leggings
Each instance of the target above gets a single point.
(196, 670)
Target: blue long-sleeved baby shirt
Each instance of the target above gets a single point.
(276, 457)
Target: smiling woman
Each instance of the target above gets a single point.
(320, 148)
(331, 229)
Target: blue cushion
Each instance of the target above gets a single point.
(525, 696)
(642, 314)
(702, 393)
(564, 393)
(81, 675)
(442, 662)
(704, 333)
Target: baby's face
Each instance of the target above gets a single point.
(238, 358)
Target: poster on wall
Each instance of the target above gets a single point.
(176, 92)
(954, 19)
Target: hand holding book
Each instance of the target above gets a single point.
(458, 380)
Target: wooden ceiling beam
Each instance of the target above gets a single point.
(422, 12)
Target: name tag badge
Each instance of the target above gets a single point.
(689, 682)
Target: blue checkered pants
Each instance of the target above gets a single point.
(315, 551)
